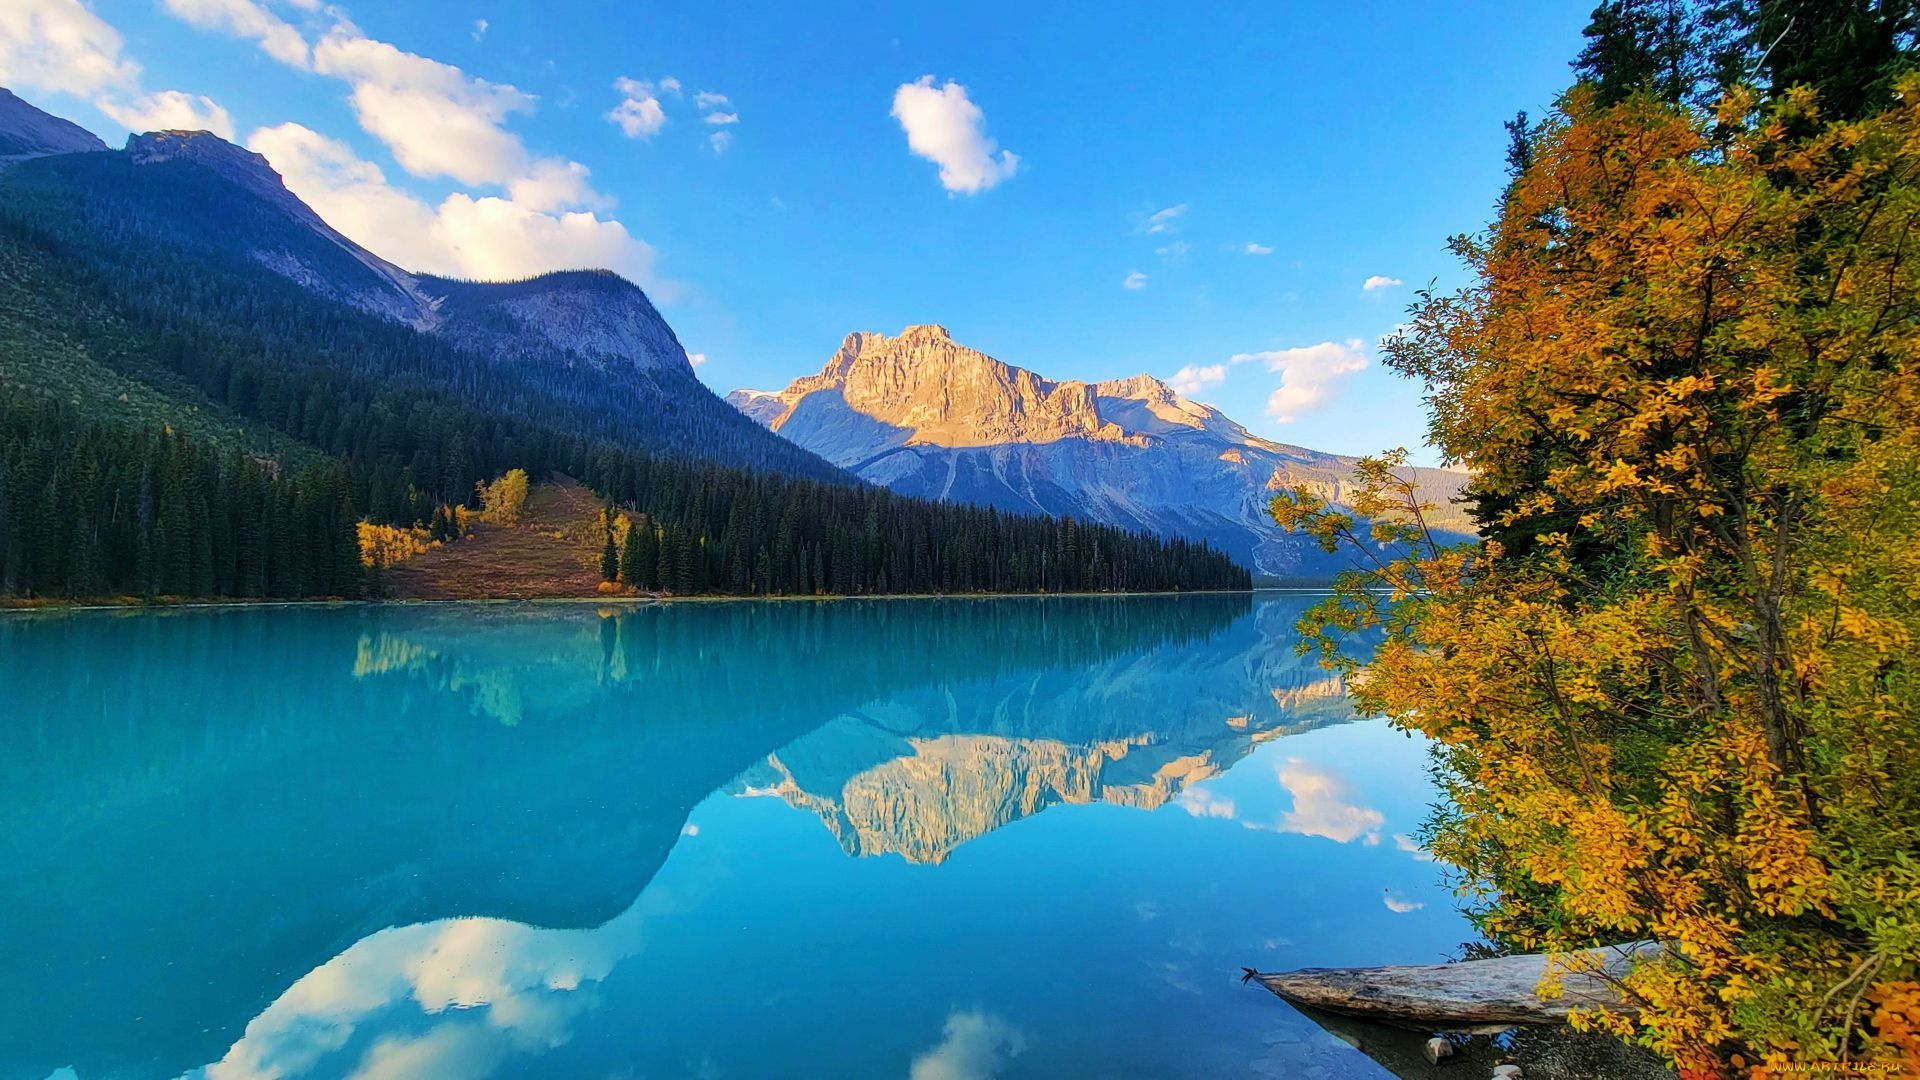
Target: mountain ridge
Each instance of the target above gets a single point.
(585, 348)
(921, 414)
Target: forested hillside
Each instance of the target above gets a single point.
(178, 419)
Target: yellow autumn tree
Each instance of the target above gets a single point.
(1672, 688)
(386, 545)
(502, 500)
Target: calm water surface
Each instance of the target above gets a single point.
(904, 839)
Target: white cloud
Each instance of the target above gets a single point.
(249, 20)
(720, 140)
(1161, 220)
(1192, 380)
(1310, 376)
(433, 117)
(976, 1046)
(482, 989)
(1321, 807)
(1378, 282)
(1400, 906)
(1412, 847)
(1173, 251)
(479, 29)
(464, 236)
(1135, 280)
(718, 109)
(1200, 802)
(170, 110)
(59, 46)
(640, 114)
(1257, 249)
(950, 131)
(696, 359)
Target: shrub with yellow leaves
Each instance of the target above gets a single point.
(384, 545)
(1672, 693)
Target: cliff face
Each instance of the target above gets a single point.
(926, 416)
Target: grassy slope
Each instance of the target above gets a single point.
(553, 552)
(39, 355)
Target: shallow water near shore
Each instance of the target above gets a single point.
(927, 838)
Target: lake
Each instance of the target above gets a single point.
(926, 839)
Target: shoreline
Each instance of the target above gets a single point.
(205, 604)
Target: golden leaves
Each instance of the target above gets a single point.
(1676, 695)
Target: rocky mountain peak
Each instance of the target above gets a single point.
(934, 391)
(929, 417)
(926, 332)
(234, 163)
(27, 132)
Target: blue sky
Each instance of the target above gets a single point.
(1349, 139)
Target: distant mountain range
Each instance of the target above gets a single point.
(179, 281)
(585, 350)
(929, 417)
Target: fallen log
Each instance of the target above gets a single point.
(1472, 994)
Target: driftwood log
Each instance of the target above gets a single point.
(1470, 995)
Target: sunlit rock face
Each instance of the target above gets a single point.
(920, 775)
(926, 416)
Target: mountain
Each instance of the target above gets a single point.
(26, 132)
(929, 417)
(930, 769)
(205, 390)
(194, 220)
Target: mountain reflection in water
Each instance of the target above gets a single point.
(425, 841)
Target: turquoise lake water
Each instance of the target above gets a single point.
(929, 840)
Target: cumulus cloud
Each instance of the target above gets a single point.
(463, 236)
(1200, 802)
(696, 359)
(1192, 379)
(1321, 806)
(434, 118)
(944, 127)
(1400, 906)
(170, 110)
(1135, 280)
(976, 1046)
(640, 114)
(1257, 249)
(59, 46)
(720, 140)
(483, 989)
(1161, 220)
(1310, 376)
(1378, 282)
(249, 20)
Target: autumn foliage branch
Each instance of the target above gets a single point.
(1671, 686)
